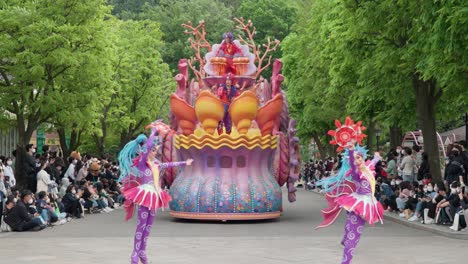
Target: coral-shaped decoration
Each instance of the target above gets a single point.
(281, 159)
(184, 113)
(243, 110)
(268, 115)
(209, 111)
(294, 157)
(344, 134)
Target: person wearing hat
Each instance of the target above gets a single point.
(19, 219)
(94, 172)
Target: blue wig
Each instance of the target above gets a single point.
(128, 153)
(330, 184)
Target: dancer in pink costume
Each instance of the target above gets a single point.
(352, 189)
(141, 186)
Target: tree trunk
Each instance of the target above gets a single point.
(24, 134)
(320, 146)
(427, 96)
(396, 136)
(370, 136)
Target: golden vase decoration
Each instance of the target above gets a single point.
(209, 111)
(243, 110)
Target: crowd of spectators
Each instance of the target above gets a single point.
(57, 190)
(405, 186)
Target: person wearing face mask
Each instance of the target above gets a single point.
(45, 210)
(30, 167)
(44, 183)
(3, 191)
(19, 218)
(429, 206)
(71, 202)
(9, 172)
(70, 173)
(407, 166)
(447, 207)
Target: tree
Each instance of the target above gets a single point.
(384, 58)
(142, 83)
(43, 43)
(272, 19)
(172, 13)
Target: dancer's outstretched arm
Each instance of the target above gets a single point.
(175, 164)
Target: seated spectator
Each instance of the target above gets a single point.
(19, 218)
(448, 207)
(58, 208)
(9, 204)
(71, 202)
(426, 196)
(64, 187)
(403, 196)
(45, 210)
(429, 208)
(94, 173)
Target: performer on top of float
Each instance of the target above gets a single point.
(229, 50)
(226, 93)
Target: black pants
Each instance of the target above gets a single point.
(74, 209)
(29, 225)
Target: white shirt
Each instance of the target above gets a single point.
(70, 172)
(8, 170)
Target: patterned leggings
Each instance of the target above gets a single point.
(144, 223)
(353, 230)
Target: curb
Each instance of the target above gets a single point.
(435, 229)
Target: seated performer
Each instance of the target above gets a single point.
(229, 50)
(226, 92)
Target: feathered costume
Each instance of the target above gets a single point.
(141, 186)
(352, 189)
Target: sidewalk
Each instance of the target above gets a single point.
(442, 230)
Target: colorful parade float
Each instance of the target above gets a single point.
(235, 125)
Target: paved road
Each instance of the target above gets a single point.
(106, 238)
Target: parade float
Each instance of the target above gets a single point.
(235, 125)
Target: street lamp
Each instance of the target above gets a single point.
(377, 136)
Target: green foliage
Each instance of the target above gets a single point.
(361, 55)
(171, 14)
(51, 52)
(143, 81)
(272, 18)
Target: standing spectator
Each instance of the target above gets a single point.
(55, 168)
(64, 186)
(417, 155)
(3, 191)
(9, 172)
(81, 171)
(454, 170)
(19, 218)
(44, 183)
(423, 169)
(407, 166)
(30, 167)
(70, 173)
(392, 166)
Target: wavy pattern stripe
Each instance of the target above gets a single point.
(225, 140)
